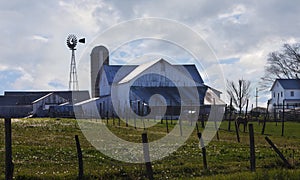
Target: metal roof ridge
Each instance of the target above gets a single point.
(139, 69)
(43, 97)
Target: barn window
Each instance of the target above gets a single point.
(281, 94)
(292, 93)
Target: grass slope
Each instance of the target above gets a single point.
(45, 149)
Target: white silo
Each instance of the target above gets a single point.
(99, 57)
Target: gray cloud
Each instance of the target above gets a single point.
(33, 33)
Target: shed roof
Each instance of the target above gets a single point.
(18, 99)
(42, 98)
(28, 97)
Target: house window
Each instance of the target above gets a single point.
(292, 93)
(274, 94)
(281, 94)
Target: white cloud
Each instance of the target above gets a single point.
(33, 34)
(40, 38)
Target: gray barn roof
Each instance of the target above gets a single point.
(112, 70)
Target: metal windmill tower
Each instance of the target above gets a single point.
(71, 43)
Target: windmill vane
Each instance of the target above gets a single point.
(72, 41)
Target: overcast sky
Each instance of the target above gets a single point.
(34, 55)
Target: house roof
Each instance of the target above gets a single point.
(130, 71)
(288, 83)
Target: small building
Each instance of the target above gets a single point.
(41, 106)
(40, 103)
(287, 92)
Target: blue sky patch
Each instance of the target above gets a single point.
(56, 84)
(7, 78)
(229, 60)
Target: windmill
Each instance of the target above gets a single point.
(71, 43)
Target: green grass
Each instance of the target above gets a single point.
(45, 149)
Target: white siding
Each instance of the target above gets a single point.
(296, 94)
(277, 89)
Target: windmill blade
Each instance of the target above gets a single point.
(82, 40)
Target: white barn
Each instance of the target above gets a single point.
(134, 86)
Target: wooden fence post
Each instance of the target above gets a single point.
(106, 117)
(246, 113)
(8, 150)
(167, 125)
(126, 116)
(252, 148)
(172, 112)
(180, 126)
(275, 114)
(282, 122)
(230, 114)
(237, 132)
(202, 120)
(147, 156)
(265, 119)
(218, 137)
(139, 108)
(79, 155)
(197, 127)
(225, 117)
(278, 152)
(203, 150)
(134, 120)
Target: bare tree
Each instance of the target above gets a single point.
(239, 92)
(282, 64)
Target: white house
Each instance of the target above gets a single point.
(285, 91)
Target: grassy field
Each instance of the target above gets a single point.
(45, 149)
